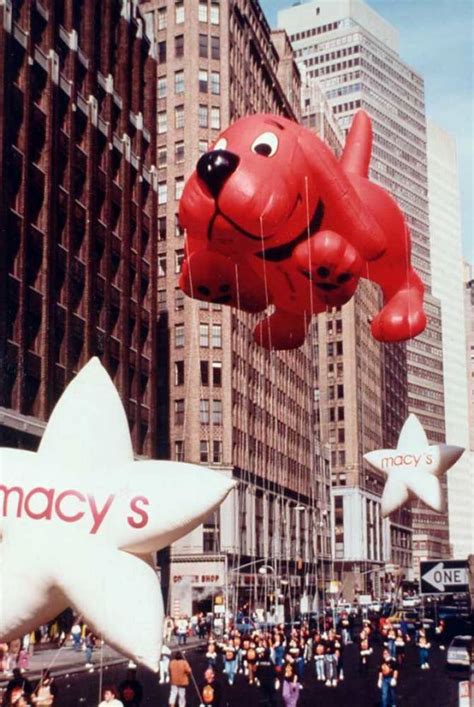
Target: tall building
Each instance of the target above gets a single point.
(232, 404)
(352, 53)
(77, 209)
(448, 286)
(469, 329)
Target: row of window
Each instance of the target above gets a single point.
(207, 117)
(209, 335)
(178, 154)
(163, 190)
(210, 371)
(216, 457)
(206, 79)
(215, 48)
(205, 14)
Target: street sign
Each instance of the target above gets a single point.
(464, 694)
(444, 576)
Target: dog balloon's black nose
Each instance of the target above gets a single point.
(214, 168)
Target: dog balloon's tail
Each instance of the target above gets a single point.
(355, 157)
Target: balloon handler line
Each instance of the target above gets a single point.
(193, 679)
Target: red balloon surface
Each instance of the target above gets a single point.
(272, 218)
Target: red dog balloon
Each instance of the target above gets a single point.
(272, 218)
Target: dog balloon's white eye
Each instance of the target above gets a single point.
(266, 144)
(221, 144)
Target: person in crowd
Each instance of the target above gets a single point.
(319, 651)
(211, 690)
(109, 697)
(400, 646)
(265, 674)
(230, 661)
(390, 642)
(211, 655)
(330, 659)
(168, 629)
(291, 686)
(180, 670)
(165, 665)
(182, 626)
(365, 650)
(131, 690)
(90, 642)
(45, 693)
(440, 632)
(76, 636)
(251, 661)
(345, 628)
(17, 698)
(387, 680)
(17, 683)
(423, 649)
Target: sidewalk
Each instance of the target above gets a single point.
(66, 660)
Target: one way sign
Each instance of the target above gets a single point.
(444, 576)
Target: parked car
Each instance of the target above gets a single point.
(411, 618)
(245, 625)
(459, 652)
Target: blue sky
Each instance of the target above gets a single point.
(437, 39)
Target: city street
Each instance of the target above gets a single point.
(416, 688)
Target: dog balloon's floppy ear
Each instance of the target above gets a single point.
(351, 218)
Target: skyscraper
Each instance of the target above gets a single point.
(232, 404)
(77, 209)
(448, 286)
(352, 53)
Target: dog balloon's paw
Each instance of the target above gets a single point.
(402, 317)
(332, 264)
(211, 277)
(282, 330)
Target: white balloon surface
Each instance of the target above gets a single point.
(79, 519)
(413, 468)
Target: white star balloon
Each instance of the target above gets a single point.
(80, 518)
(413, 468)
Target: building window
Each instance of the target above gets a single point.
(216, 118)
(178, 299)
(162, 192)
(202, 12)
(210, 533)
(179, 117)
(162, 52)
(204, 411)
(204, 369)
(162, 87)
(217, 412)
(179, 411)
(179, 151)
(179, 373)
(217, 452)
(339, 348)
(179, 13)
(204, 450)
(162, 228)
(162, 156)
(203, 81)
(179, 336)
(214, 13)
(162, 122)
(178, 187)
(178, 260)
(162, 18)
(179, 46)
(203, 46)
(340, 413)
(340, 435)
(204, 335)
(162, 264)
(215, 48)
(202, 147)
(203, 116)
(179, 82)
(215, 83)
(179, 450)
(216, 374)
(216, 336)
(162, 300)
(178, 229)
(340, 390)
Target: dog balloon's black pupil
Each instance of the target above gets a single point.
(263, 149)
